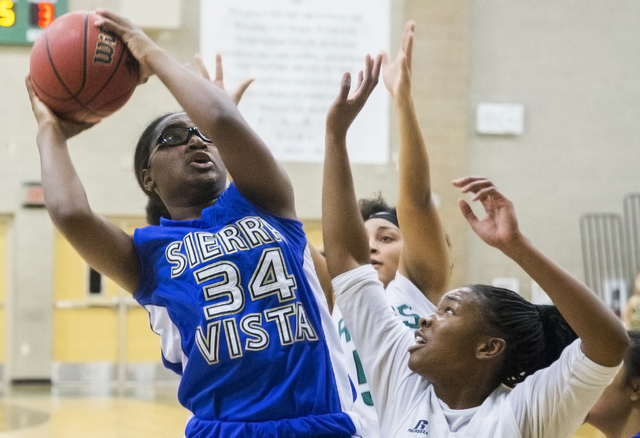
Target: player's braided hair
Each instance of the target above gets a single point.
(155, 206)
(535, 335)
(632, 358)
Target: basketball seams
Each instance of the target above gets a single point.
(84, 52)
(113, 73)
(55, 70)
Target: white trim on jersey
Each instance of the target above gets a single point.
(169, 334)
(333, 342)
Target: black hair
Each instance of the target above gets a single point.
(155, 207)
(535, 335)
(632, 358)
(376, 206)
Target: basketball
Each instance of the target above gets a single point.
(79, 72)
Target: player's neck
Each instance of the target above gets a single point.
(188, 212)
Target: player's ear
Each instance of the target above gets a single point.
(634, 384)
(147, 181)
(490, 348)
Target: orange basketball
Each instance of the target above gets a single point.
(80, 72)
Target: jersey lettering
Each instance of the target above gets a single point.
(258, 337)
(191, 250)
(208, 246)
(210, 343)
(227, 290)
(342, 331)
(221, 284)
(201, 247)
(231, 239)
(271, 277)
(178, 261)
(304, 329)
(281, 316)
(411, 320)
(254, 231)
(233, 339)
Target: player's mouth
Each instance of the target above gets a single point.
(200, 160)
(420, 341)
(376, 264)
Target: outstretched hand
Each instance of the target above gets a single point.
(347, 105)
(139, 44)
(499, 228)
(47, 119)
(396, 75)
(235, 94)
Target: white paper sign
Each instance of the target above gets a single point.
(298, 50)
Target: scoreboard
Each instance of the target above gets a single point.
(21, 21)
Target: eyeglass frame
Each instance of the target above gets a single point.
(161, 141)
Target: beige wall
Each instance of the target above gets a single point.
(574, 66)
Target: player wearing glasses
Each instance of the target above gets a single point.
(226, 276)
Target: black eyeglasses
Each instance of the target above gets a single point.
(176, 136)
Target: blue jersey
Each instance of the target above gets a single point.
(236, 302)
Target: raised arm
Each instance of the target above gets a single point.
(425, 255)
(106, 248)
(345, 241)
(604, 339)
(253, 168)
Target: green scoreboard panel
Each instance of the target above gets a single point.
(21, 21)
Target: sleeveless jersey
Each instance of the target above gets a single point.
(409, 304)
(240, 313)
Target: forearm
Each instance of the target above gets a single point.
(604, 339)
(64, 194)
(413, 160)
(427, 266)
(344, 236)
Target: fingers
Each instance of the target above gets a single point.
(219, 72)
(368, 79)
(201, 67)
(385, 59)
(110, 22)
(403, 60)
(37, 106)
(467, 212)
(345, 87)
(237, 95)
(105, 13)
(377, 65)
(30, 90)
(485, 193)
(407, 41)
(480, 186)
(463, 182)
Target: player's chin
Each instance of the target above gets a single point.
(414, 362)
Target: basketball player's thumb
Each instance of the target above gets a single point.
(467, 212)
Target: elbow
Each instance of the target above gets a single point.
(68, 217)
(620, 345)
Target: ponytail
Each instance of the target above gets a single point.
(632, 359)
(156, 209)
(534, 335)
(556, 332)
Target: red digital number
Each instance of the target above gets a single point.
(45, 14)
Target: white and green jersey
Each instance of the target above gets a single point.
(552, 402)
(410, 304)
